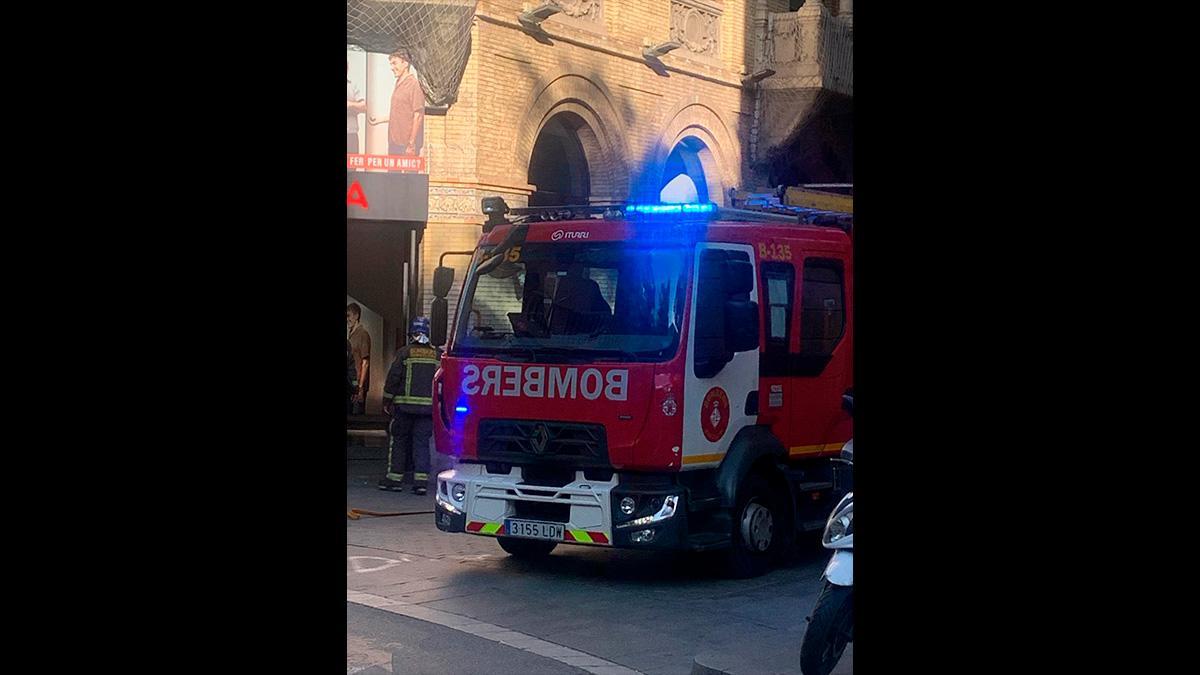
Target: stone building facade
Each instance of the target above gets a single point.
(578, 109)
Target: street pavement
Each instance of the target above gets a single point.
(423, 601)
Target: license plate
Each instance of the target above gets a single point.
(532, 529)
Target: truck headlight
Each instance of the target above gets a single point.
(445, 504)
(458, 491)
(670, 502)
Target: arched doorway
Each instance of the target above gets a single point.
(684, 177)
(558, 166)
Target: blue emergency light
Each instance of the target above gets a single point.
(707, 207)
(495, 208)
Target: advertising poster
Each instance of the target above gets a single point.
(385, 114)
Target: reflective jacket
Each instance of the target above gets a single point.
(409, 382)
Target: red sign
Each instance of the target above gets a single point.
(356, 196)
(714, 414)
(385, 162)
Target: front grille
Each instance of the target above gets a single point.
(536, 442)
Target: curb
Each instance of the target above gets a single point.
(710, 664)
(701, 669)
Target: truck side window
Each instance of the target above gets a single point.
(822, 307)
(779, 283)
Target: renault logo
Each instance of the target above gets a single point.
(539, 438)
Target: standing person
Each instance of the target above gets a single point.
(360, 349)
(408, 396)
(355, 105)
(351, 379)
(406, 117)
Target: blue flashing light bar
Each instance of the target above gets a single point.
(708, 207)
(460, 408)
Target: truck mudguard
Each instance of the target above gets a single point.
(749, 445)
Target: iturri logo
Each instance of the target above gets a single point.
(562, 234)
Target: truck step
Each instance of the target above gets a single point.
(818, 486)
(812, 526)
(705, 541)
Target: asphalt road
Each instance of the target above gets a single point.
(445, 603)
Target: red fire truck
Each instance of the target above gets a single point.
(653, 376)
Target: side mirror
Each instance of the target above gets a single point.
(439, 313)
(739, 276)
(711, 352)
(726, 318)
(443, 279)
(848, 403)
(741, 325)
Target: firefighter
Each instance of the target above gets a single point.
(408, 396)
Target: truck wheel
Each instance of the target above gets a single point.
(756, 529)
(526, 548)
(830, 628)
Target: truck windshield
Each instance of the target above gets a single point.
(545, 300)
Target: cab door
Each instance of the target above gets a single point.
(716, 404)
(776, 389)
(822, 369)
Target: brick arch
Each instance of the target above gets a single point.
(720, 154)
(602, 135)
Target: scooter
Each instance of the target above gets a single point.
(831, 625)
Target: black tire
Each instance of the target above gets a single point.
(747, 559)
(829, 630)
(526, 548)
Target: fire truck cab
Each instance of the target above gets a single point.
(645, 376)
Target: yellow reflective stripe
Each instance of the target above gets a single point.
(813, 449)
(700, 459)
(490, 528)
(581, 535)
(408, 375)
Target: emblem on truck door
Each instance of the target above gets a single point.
(714, 414)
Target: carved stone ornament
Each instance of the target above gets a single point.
(447, 201)
(785, 41)
(587, 10)
(697, 27)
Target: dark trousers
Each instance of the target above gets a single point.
(408, 445)
(405, 149)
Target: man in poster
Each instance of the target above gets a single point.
(406, 116)
(355, 105)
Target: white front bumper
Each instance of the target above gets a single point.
(491, 498)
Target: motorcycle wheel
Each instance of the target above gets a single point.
(829, 630)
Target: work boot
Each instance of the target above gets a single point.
(386, 483)
(420, 489)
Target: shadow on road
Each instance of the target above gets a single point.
(665, 568)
